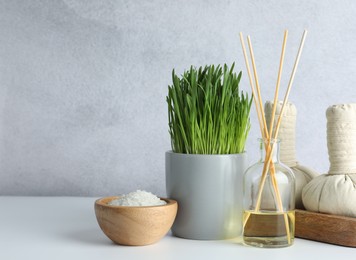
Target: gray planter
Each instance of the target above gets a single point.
(208, 189)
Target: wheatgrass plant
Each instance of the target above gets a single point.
(207, 113)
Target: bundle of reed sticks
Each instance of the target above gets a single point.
(267, 134)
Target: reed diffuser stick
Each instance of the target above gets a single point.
(259, 117)
(291, 81)
(265, 135)
(275, 100)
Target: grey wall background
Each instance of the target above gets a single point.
(83, 83)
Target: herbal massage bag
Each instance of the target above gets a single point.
(303, 174)
(335, 192)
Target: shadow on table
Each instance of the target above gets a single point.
(90, 236)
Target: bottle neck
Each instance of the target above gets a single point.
(265, 149)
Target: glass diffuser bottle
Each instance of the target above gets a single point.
(269, 200)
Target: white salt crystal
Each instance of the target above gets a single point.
(138, 198)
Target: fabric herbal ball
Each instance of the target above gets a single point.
(287, 135)
(331, 194)
(335, 192)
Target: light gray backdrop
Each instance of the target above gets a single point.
(83, 83)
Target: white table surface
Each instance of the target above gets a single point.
(65, 228)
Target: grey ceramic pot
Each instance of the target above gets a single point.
(208, 189)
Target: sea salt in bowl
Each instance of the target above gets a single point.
(135, 225)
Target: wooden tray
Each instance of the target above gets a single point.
(326, 228)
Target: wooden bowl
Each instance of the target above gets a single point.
(135, 225)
